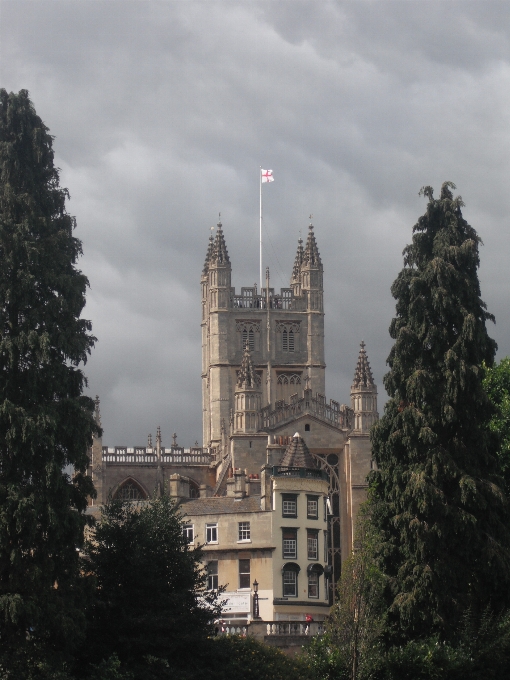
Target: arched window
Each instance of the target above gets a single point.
(287, 384)
(248, 331)
(130, 491)
(289, 335)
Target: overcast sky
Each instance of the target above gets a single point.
(163, 112)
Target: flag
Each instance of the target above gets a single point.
(267, 176)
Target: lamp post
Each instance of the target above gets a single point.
(256, 600)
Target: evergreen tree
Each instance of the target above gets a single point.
(497, 385)
(438, 499)
(151, 607)
(45, 422)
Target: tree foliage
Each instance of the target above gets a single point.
(497, 385)
(150, 600)
(439, 504)
(46, 423)
(355, 622)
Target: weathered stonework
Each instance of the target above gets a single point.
(263, 379)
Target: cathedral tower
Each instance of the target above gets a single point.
(284, 332)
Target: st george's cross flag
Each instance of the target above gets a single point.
(267, 176)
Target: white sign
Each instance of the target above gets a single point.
(235, 603)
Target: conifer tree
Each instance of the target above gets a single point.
(438, 499)
(46, 422)
(497, 385)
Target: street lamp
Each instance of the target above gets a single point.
(256, 600)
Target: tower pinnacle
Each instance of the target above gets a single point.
(246, 377)
(219, 253)
(363, 374)
(311, 254)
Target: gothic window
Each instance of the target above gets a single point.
(248, 333)
(130, 491)
(249, 339)
(288, 340)
(287, 384)
(288, 333)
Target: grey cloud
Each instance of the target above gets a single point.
(163, 113)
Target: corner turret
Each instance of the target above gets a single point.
(363, 394)
(247, 397)
(312, 273)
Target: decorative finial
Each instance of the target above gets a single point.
(149, 441)
(362, 344)
(174, 440)
(310, 226)
(158, 435)
(219, 225)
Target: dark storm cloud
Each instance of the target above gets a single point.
(163, 112)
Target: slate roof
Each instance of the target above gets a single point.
(223, 505)
(297, 454)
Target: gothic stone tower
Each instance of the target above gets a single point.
(283, 331)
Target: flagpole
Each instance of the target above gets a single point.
(260, 228)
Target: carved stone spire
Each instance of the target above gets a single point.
(219, 253)
(208, 254)
(363, 395)
(246, 377)
(247, 397)
(311, 254)
(296, 270)
(363, 374)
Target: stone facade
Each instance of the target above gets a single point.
(263, 378)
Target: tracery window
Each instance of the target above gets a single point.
(289, 335)
(249, 339)
(129, 491)
(287, 384)
(248, 334)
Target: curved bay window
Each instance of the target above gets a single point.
(130, 491)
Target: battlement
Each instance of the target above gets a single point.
(195, 455)
(332, 413)
(250, 299)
